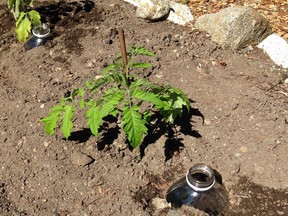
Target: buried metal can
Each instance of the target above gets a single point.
(199, 189)
(40, 34)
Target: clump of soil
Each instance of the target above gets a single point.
(238, 123)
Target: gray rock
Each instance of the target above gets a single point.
(153, 9)
(175, 12)
(180, 14)
(235, 27)
(81, 159)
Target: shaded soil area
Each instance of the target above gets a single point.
(239, 119)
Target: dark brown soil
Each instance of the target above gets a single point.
(239, 119)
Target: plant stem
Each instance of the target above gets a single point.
(124, 54)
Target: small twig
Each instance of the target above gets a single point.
(284, 93)
(90, 203)
(272, 87)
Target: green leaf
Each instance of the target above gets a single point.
(109, 68)
(51, 121)
(133, 125)
(10, 4)
(67, 124)
(151, 98)
(14, 6)
(23, 27)
(29, 2)
(34, 17)
(140, 51)
(95, 113)
(140, 65)
(82, 103)
(181, 94)
(176, 100)
(93, 86)
(112, 97)
(145, 84)
(76, 92)
(20, 18)
(147, 116)
(94, 119)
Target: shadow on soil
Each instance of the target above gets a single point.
(173, 144)
(109, 132)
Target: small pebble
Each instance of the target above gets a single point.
(280, 213)
(90, 64)
(46, 144)
(81, 159)
(259, 169)
(243, 149)
(160, 203)
(207, 122)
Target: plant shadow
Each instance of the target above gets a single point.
(108, 137)
(173, 143)
(81, 136)
(109, 132)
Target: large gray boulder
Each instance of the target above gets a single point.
(235, 27)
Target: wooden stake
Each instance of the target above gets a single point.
(123, 48)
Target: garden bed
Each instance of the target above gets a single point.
(239, 118)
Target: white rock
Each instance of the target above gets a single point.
(180, 14)
(160, 203)
(153, 9)
(276, 48)
(133, 2)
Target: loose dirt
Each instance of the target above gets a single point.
(239, 119)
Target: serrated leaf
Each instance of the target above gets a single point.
(82, 103)
(151, 98)
(140, 51)
(23, 28)
(81, 92)
(140, 65)
(76, 92)
(35, 17)
(94, 119)
(116, 77)
(109, 68)
(67, 124)
(133, 125)
(114, 112)
(112, 97)
(20, 18)
(176, 100)
(145, 84)
(51, 121)
(147, 116)
(97, 83)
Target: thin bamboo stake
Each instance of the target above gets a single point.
(123, 48)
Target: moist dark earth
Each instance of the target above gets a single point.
(238, 123)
